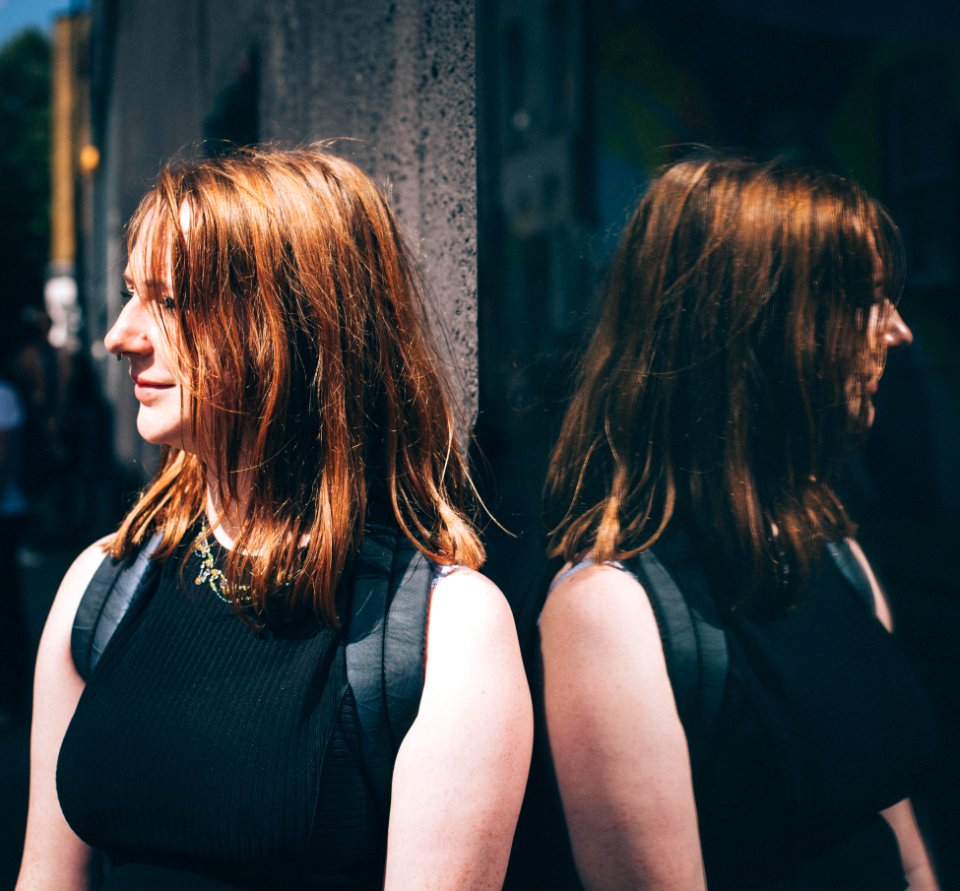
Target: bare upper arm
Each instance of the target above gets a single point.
(618, 747)
(913, 852)
(53, 857)
(462, 768)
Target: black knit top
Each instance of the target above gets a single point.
(822, 725)
(206, 753)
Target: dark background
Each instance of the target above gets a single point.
(580, 104)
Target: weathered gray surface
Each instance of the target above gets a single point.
(397, 81)
(393, 81)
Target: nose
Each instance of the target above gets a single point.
(128, 333)
(896, 333)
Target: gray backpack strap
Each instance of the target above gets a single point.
(386, 647)
(694, 642)
(852, 572)
(115, 587)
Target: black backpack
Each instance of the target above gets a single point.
(385, 635)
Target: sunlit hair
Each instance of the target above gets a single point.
(314, 392)
(729, 365)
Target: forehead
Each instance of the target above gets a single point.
(151, 245)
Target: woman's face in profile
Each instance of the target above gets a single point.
(144, 334)
(887, 330)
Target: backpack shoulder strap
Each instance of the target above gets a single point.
(115, 587)
(694, 641)
(386, 646)
(853, 572)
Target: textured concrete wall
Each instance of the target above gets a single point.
(393, 80)
(397, 79)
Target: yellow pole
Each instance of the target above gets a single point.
(62, 236)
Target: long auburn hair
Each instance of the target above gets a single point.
(728, 368)
(314, 394)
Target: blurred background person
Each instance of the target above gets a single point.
(14, 638)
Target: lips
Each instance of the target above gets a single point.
(145, 389)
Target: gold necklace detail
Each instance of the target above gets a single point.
(210, 574)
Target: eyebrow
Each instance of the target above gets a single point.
(150, 283)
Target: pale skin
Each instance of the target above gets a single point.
(619, 749)
(53, 856)
(461, 770)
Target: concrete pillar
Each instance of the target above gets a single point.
(395, 82)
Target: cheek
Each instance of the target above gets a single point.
(184, 423)
(873, 324)
(859, 391)
(166, 352)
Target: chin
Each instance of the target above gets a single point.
(159, 426)
(172, 438)
(861, 422)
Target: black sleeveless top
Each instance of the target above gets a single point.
(821, 726)
(207, 754)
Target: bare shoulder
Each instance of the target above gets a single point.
(618, 748)
(468, 589)
(469, 610)
(54, 653)
(461, 769)
(85, 565)
(599, 606)
(472, 643)
(75, 582)
(597, 624)
(601, 580)
(471, 637)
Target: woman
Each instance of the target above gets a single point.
(745, 323)
(273, 330)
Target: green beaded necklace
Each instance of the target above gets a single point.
(210, 574)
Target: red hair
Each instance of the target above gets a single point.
(315, 395)
(727, 369)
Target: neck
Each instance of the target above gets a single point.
(226, 520)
